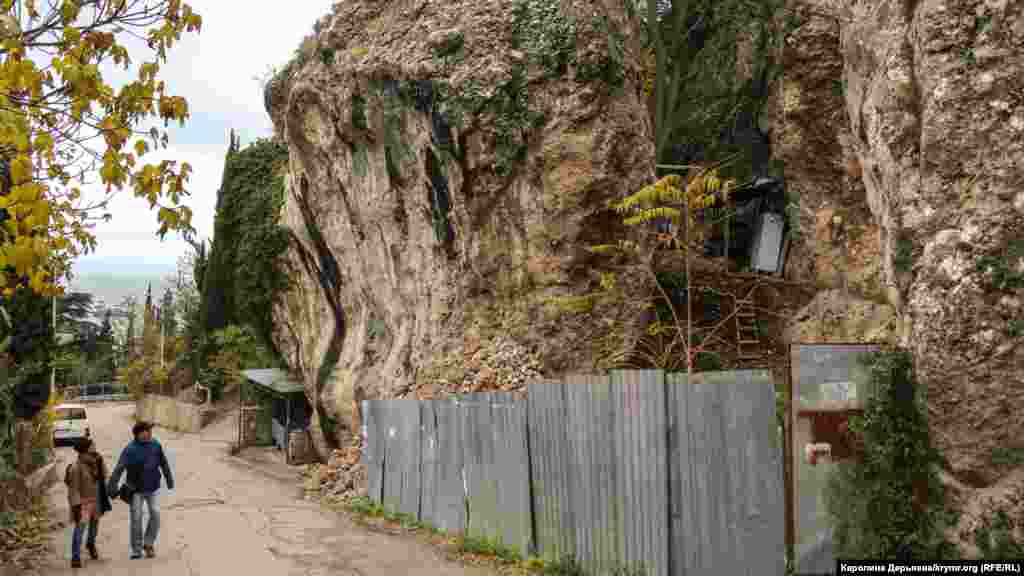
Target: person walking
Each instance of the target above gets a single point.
(87, 498)
(143, 460)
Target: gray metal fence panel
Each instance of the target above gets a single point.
(477, 450)
(626, 471)
(513, 475)
(402, 457)
(641, 505)
(732, 521)
(409, 415)
(450, 506)
(375, 420)
(550, 469)
(578, 474)
(391, 495)
(682, 492)
(767, 511)
(605, 528)
(429, 463)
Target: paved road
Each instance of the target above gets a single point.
(225, 517)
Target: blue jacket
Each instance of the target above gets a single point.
(143, 461)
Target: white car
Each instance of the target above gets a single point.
(72, 423)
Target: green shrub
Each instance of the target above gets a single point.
(872, 502)
(995, 537)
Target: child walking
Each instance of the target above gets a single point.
(86, 481)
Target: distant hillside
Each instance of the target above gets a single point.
(112, 287)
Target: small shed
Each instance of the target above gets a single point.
(280, 401)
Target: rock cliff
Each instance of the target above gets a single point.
(901, 127)
(449, 163)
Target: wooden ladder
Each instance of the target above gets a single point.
(748, 338)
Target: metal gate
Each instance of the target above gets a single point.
(254, 426)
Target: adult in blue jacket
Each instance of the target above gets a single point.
(143, 459)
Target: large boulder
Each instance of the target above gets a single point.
(450, 163)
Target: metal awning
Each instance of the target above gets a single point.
(275, 380)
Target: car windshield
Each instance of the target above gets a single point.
(70, 413)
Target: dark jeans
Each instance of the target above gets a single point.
(76, 537)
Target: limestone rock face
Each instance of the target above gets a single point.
(919, 137)
(449, 163)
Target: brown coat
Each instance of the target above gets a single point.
(84, 478)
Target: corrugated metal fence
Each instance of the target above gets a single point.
(636, 469)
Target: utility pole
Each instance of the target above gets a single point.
(53, 367)
(160, 322)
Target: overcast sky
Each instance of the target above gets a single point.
(215, 71)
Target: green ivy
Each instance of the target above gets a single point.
(450, 46)
(546, 35)
(360, 160)
(871, 502)
(326, 55)
(610, 66)
(995, 538)
(359, 112)
(514, 121)
(1000, 270)
(904, 253)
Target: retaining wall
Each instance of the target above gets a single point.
(174, 414)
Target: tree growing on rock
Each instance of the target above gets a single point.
(708, 65)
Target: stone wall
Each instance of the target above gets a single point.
(174, 414)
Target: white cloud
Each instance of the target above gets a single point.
(215, 72)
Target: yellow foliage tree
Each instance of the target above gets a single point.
(684, 202)
(61, 121)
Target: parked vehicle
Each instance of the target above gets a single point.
(72, 423)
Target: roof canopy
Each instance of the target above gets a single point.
(275, 380)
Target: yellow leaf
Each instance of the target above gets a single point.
(21, 169)
(69, 11)
(141, 147)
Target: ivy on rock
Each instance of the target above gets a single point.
(890, 503)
